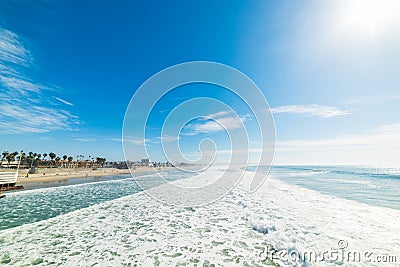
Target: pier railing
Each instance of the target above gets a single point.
(8, 177)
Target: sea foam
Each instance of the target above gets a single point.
(239, 229)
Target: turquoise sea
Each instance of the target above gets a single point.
(373, 186)
(109, 221)
(41, 201)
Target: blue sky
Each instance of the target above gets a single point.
(330, 71)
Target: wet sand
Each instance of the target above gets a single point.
(78, 174)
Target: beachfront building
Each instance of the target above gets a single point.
(145, 162)
(67, 164)
(108, 164)
(12, 164)
(88, 164)
(77, 164)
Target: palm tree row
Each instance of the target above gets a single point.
(32, 159)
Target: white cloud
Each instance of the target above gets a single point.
(311, 110)
(115, 139)
(169, 138)
(24, 107)
(135, 141)
(64, 101)
(154, 140)
(227, 123)
(384, 136)
(85, 139)
(27, 118)
(19, 84)
(216, 122)
(374, 99)
(16, 129)
(375, 147)
(218, 114)
(12, 49)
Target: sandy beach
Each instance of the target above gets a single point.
(75, 173)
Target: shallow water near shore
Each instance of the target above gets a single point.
(41, 201)
(74, 181)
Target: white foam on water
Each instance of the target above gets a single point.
(123, 178)
(236, 230)
(305, 220)
(56, 188)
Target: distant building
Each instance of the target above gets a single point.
(12, 164)
(109, 164)
(77, 164)
(122, 165)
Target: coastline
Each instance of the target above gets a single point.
(77, 173)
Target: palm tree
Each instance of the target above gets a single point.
(70, 158)
(34, 158)
(57, 160)
(64, 158)
(44, 158)
(11, 157)
(38, 157)
(21, 157)
(31, 158)
(8, 158)
(4, 154)
(100, 161)
(52, 156)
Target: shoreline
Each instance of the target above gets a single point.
(74, 174)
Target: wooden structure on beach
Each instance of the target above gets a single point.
(8, 180)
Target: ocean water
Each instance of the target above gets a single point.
(37, 204)
(373, 186)
(114, 223)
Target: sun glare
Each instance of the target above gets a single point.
(368, 18)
